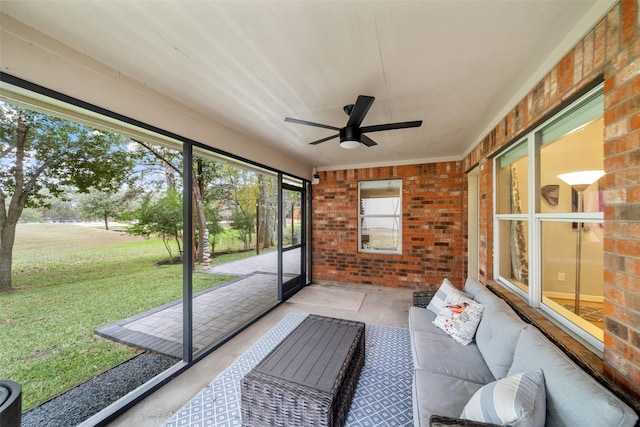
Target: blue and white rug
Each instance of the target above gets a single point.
(382, 398)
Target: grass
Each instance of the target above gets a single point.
(69, 280)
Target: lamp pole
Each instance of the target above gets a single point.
(579, 189)
(580, 181)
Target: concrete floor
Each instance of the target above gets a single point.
(369, 304)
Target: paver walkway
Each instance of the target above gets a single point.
(217, 312)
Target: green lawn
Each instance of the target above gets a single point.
(68, 280)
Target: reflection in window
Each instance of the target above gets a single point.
(512, 181)
(571, 160)
(514, 264)
(380, 216)
(549, 215)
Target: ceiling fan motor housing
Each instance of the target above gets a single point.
(350, 134)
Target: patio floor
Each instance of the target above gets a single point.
(217, 312)
(365, 303)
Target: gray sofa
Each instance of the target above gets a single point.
(447, 374)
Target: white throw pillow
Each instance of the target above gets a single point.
(440, 297)
(518, 400)
(459, 317)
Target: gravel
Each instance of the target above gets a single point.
(81, 402)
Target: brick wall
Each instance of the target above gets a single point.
(610, 51)
(433, 243)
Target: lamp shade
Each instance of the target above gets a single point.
(582, 177)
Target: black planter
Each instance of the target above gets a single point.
(10, 404)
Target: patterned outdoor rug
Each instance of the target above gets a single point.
(382, 398)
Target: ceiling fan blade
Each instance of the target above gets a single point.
(367, 141)
(360, 109)
(391, 126)
(324, 139)
(304, 122)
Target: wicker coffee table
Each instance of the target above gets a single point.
(309, 378)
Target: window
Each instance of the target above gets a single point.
(380, 216)
(549, 217)
(512, 174)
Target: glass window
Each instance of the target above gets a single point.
(380, 216)
(512, 181)
(514, 256)
(553, 251)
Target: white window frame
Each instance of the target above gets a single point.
(397, 216)
(535, 219)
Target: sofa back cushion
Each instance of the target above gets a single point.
(573, 397)
(497, 337)
(480, 292)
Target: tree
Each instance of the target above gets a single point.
(213, 224)
(43, 156)
(101, 204)
(242, 197)
(243, 223)
(161, 218)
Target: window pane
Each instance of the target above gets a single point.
(581, 150)
(380, 215)
(235, 238)
(572, 272)
(514, 255)
(89, 256)
(513, 181)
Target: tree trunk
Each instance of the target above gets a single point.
(7, 239)
(8, 234)
(201, 220)
(106, 222)
(9, 218)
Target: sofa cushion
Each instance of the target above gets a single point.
(459, 317)
(439, 353)
(573, 397)
(518, 400)
(445, 289)
(480, 293)
(421, 319)
(436, 394)
(497, 337)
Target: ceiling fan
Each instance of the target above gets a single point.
(352, 135)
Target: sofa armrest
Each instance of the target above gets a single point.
(422, 298)
(442, 421)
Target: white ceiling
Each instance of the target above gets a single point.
(456, 65)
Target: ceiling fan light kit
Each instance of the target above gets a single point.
(351, 136)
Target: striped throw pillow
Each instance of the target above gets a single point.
(518, 400)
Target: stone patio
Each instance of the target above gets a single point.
(217, 312)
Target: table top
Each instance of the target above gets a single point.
(313, 354)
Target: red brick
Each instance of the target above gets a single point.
(616, 96)
(634, 122)
(565, 74)
(628, 18)
(628, 247)
(598, 53)
(613, 32)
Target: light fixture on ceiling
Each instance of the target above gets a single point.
(580, 181)
(350, 137)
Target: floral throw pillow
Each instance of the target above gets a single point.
(459, 317)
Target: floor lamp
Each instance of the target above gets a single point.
(580, 181)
